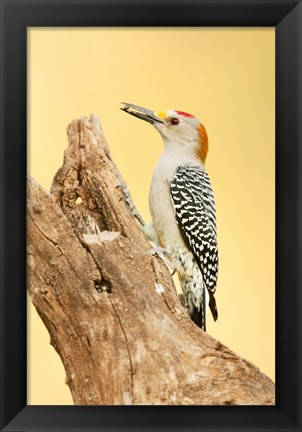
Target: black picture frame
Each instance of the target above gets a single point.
(16, 16)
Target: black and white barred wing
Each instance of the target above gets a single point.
(194, 206)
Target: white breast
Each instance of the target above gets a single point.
(160, 202)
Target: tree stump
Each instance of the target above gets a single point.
(111, 310)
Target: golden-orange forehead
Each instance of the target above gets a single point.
(162, 114)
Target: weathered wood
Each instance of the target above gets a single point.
(111, 309)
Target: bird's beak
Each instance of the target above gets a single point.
(141, 113)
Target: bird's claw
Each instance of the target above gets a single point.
(163, 253)
(126, 196)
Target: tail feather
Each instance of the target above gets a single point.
(212, 305)
(199, 314)
(197, 317)
(197, 296)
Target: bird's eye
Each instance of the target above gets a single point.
(174, 121)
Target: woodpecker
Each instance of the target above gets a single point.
(182, 207)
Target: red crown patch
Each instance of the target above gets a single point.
(184, 114)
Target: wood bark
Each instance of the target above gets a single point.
(111, 309)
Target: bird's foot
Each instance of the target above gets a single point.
(126, 196)
(163, 254)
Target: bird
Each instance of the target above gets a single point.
(182, 207)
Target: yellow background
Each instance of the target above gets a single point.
(225, 77)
